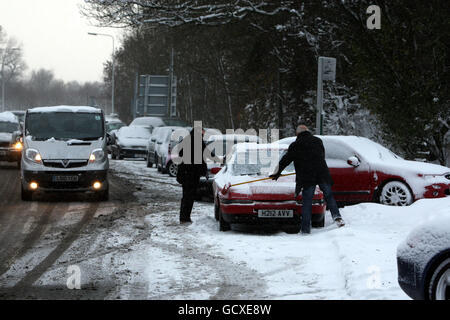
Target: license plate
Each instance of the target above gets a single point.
(65, 178)
(275, 213)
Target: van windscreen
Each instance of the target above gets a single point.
(64, 125)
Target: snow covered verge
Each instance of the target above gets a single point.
(199, 262)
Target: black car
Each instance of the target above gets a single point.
(10, 145)
(129, 142)
(423, 261)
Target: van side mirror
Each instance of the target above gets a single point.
(353, 161)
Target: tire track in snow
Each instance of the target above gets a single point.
(13, 252)
(65, 243)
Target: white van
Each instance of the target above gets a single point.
(64, 149)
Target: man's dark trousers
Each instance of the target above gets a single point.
(307, 195)
(187, 202)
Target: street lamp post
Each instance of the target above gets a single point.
(2, 72)
(112, 77)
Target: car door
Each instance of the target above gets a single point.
(352, 184)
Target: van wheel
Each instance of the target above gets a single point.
(26, 195)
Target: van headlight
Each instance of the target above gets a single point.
(33, 155)
(96, 156)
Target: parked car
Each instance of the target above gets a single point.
(10, 144)
(363, 170)
(164, 147)
(266, 203)
(113, 125)
(221, 145)
(153, 122)
(130, 142)
(423, 261)
(151, 147)
(64, 150)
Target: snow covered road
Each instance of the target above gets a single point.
(199, 262)
(132, 247)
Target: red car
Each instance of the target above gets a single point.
(363, 171)
(263, 203)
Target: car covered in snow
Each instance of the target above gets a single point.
(130, 142)
(423, 261)
(153, 122)
(260, 203)
(10, 144)
(221, 145)
(64, 149)
(363, 170)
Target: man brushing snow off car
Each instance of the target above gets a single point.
(308, 155)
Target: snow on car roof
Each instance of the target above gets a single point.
(251, 146)
(362, 145)
(83, 109)
(146, 121)
(233, 137)
(8, 117)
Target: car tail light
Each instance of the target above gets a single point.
(226, 188)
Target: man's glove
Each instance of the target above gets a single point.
(275, 176)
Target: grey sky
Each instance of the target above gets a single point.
(54, 36)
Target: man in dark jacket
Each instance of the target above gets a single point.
(311, 169)
(191, 169)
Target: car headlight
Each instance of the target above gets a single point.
(33, 155)
(97, 155)
(18, 146)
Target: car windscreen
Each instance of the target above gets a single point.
(8, 127)
(114, 126)
(134, 133)
(64, 125)
(258, 162)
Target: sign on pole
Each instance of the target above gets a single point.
(153, 96)
(326, 72)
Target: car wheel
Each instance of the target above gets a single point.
(119, 156)
(439, 287)
(293, 229)
(158, 165)
(149, 163)
(223, 225)
(319, 224)
(173, 169)
(396, 193)
(26, 195)
(216, 212)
